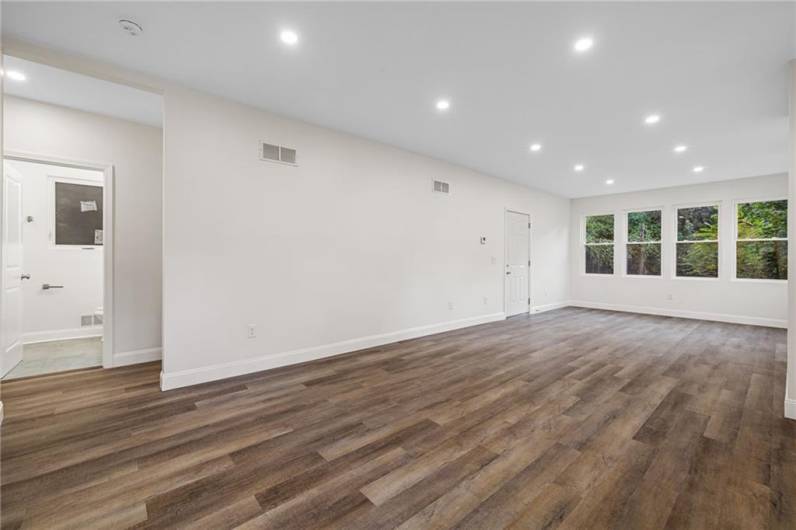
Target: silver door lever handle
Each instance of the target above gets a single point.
(24, 276)
(46, 286)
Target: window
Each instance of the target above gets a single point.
(78, 214)
(599, 244)
(761, 246)
(697, 253)
(644, 243)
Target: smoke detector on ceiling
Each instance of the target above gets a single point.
(130, 27)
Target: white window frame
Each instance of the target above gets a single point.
(53, 179)
(584, 245)
(734, 263)
(676, 242)
(626, 242)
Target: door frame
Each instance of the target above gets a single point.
(108, 172)
(506, 211)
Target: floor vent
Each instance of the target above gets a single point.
(441, 187)
(277, 153)
(86, 320)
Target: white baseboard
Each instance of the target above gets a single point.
(696, 315)
(136, 356)
(195, 376)
(790, 408)
(61, 334)
(548, 307)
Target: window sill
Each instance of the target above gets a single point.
(759, 280)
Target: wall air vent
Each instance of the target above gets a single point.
(277, 153)
(287, 155)
(441, 187)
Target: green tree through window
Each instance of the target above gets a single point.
(698, 242)
(761, 248)
(599, 244)
(644, 243)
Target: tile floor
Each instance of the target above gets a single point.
(57, 356)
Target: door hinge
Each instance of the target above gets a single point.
(529, 301)
(529, 225)
(529, 263)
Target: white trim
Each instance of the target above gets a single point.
(679, 313)
(108, 227)
(195, 376)
(137, 356)
(1, 413)
(33, 337)
(790, 408)
(548, 307)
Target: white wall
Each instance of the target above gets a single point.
(745, 301)
(55, 313)
(790, 382)
(349, 249)
(136, 152)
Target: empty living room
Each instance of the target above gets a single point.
(416, 265)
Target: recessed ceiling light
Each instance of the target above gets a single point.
(699, 169)
(680, 148)
(609, 181)
(583, 44)
(15, 75)
(579, 167)
(652, 119)
(443, 104)
(289, 37)
(536, 147)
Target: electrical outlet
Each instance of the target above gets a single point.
(669, 296)
(486, 301)
(252, 331)
(450, 306)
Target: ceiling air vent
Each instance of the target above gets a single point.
(441, 187)
(277, 153)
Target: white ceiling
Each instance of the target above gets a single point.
(61, 87)
(716, 72)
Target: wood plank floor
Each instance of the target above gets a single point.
(574, 419)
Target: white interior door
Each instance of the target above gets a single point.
(12, 270)
(518, 263)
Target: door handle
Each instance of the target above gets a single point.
(46, 286)
(508, 272)
(24, 276)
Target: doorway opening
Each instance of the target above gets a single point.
(518, 263)
(98, 148)
(54, 265)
